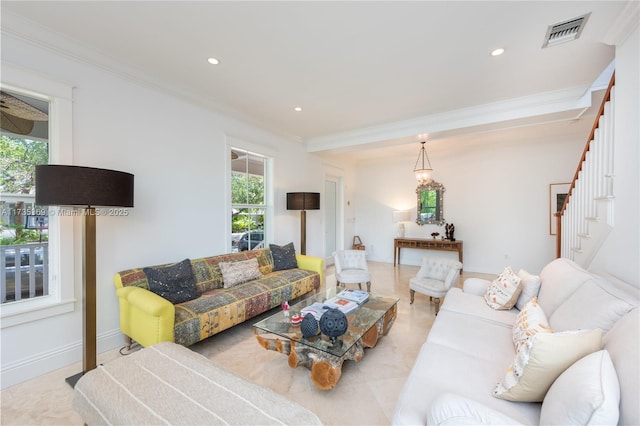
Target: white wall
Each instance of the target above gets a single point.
(177, 152)
(497, 196)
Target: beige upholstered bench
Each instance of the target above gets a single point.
(170, 384)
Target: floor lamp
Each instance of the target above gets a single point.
(303, 201)
(58, 185)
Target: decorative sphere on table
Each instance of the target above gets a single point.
(309, 326)
(333, 323)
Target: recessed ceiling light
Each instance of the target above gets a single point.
(297, 109)
(213, 61)
(497, 52)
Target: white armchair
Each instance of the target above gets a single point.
(435, 277)
(351, 268)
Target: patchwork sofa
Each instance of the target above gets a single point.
(149, 318)
(566, 354)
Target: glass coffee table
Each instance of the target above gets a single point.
(367, 324)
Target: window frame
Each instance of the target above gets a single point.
(268, 155)
(61, 298)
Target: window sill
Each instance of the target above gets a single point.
(17, 313)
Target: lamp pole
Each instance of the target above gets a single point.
(303, 232)
(89, 292)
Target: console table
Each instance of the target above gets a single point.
(425, 244)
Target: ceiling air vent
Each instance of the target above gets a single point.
(565, 31)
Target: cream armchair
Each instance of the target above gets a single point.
(351, 268)
(435, 277)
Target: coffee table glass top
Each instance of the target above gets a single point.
(360, 321)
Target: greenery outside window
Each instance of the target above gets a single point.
(23, 225)
(248, 200)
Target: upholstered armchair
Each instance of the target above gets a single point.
(435, 277)
(351, 268)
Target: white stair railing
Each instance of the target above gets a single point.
(587, 215)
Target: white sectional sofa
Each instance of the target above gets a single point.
(470, 346)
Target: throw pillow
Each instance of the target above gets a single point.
(284, 257)
(530, 320)
(234, 273)
(587, 393)
(541, 360)
(503, 292)
(530, 288)
(175, 283)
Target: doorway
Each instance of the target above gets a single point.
(332, 215)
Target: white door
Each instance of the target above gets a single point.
(330, 219)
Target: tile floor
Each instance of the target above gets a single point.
(365, 395)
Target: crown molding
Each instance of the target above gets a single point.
(544, 105)
(626, 23)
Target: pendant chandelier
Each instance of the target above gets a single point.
(423, 170)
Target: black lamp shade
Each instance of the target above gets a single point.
(303, 200)
(82, 186)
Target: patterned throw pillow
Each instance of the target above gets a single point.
(503, 292)
(234, 273)
(284, 257)
(530, 320)
(174, 282)
(542, 360)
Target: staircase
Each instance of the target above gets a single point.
(586, 217)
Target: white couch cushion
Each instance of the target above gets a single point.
(544, 357)
(474, 337)
(476, 308)
(440, 369)
(587, 393)
(503, 291)
(559, 280)
(530, 288)
(452, 409)
(595, 304)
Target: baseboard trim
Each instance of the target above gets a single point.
(54, 359)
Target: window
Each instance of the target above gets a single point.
(56, 264)
(24, 251)
(248, 200)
